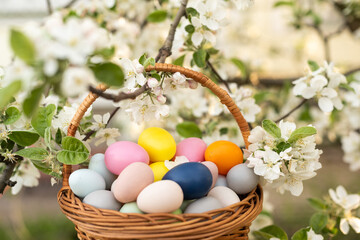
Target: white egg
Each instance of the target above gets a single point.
(242, 179)
(202, 205)
(102, 199)
(225, 195)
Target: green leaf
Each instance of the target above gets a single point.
(33, 153)
(9, 145)
(109, 73)
(31, 102)
(7, 93)
(262, 235)
(47, 137)
(22, 46)
(74, 151)
(148, 62)
(58, 136)
(223, 131)
(318, 221)
(241, 66)
(301, 133)
(43, 119)
(24, 138)
(313, 65)
(200, 58)
(282, 146)
(142, 59)
(12, 114)
(300, 234)
(157, 16)
(190, 28)
(106, 53)
(283, 3)
(317, 204)
(305, 115)
(179, 61)
(271, 231)
(192, 11)
(188, 129)
(271, 128)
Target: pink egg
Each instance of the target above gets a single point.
(121, 154)
(214, 171)
(192, 148)
(131, 181)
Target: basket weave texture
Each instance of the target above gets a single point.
(231, 223)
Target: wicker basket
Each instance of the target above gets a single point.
(232, 222)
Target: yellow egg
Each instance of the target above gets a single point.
(158, 143)
(159, 169)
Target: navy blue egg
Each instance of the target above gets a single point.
(194, 178)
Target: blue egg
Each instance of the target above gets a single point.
(194, 178)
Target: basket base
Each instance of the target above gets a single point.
(239, 234)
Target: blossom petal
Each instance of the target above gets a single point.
(326, 104)
(329, 92)
(308, 92)
(355, 224)
(344, 226)
(318, 82)
(196, 38)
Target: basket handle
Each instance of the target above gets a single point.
(170, 68)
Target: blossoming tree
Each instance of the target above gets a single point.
(92, 42)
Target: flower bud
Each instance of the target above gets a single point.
(158, 91)
(152, 82)
(161, 99)
(193, 84)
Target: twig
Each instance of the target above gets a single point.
(70, 3)
(6, 175)
(218, 75)
(165, 50)
(292, 110)
(49, 7)
(118, 97)
(88, 134)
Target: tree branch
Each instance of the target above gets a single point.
(49, 7)
(292, 110)
(218, 75)
(165, 50)
(7, 173)
(70, 3)
(119, 97)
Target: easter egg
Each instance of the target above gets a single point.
(158, 143)
(203, 205)
(130, 207)
(159, 169)
(242, 179)
(131, 181)
(194, 178)
(160, 197)
(121, 154)
(102, 199)
(84, 181)
(192, 148)
(225, 195)
(221, 181)
(214, 171)
(97, 164)
(224, 154)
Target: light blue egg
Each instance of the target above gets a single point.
(242, 179)
(84, 181)
(97, 164)
(130, 207)
(102, 199)
(221, 181)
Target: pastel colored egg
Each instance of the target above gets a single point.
(221, 181)
(160, 197)
(224, 154)
(131, 181)
(214, 171)
(204, 204)
(158, 143)
(192, 148)
(85, 181)
(242, 179)
(225, 195)
(121, 154)
(97, 164)
(194, 178)
(102, 199)
(131, 207)
(159, 169)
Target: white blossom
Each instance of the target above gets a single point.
(311, 235)
(76, 81)
(100, 121)
(201, 33)
(27, 175)
(249, 109)
(351, 147)
(243, 4)
(108, 135)
(63, 119)
(211, 13)
(133, 71)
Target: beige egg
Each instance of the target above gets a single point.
(131, 181)
(160, 197)
(225, 195)
(214, 171)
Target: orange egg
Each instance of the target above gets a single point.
(224, 154)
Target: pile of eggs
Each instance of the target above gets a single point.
(134, 178)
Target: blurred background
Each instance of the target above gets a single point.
(265, 40)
